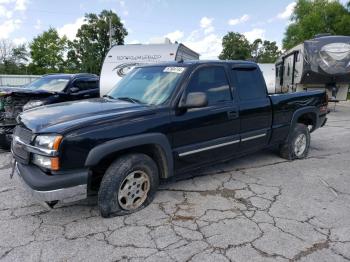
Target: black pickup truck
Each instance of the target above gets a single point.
(158, 122)
(49, 89)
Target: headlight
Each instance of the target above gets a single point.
(32, 104)
(46, 162)
(48, 141)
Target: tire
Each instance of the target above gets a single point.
(294, 148)
(131, 179)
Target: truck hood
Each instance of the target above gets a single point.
(63, 117)
(6, 91)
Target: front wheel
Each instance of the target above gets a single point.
(298, 144)
(128, 185)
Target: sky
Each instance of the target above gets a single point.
(199, 24)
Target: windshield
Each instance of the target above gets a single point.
(49, 84)
(148, 85)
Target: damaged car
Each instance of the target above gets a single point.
(49, 89)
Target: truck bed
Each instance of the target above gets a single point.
(286, 108)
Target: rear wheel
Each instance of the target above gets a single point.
(128, 185)
(298, 144)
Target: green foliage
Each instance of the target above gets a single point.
(13, 59)
(89, 49)
(51, 53)
(47, 51)
(265, 51)
(11, 68)
(237, 47)
(312, 17)
(20, 54)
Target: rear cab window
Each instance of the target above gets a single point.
(249, 83)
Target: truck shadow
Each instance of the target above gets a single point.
(259, 159)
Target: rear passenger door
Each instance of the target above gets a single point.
(203, 135)
(254, 107)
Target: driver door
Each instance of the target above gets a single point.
(210, 133)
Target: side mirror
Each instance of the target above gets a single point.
(195, 100)
(74, 90)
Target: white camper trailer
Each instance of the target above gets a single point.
(269, 72)
(322, 63)
(122, 58)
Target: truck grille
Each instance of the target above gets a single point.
(25, 136)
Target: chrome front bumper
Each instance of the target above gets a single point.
(64, 195)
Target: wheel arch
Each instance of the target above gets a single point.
(307, 116)
(155, 145)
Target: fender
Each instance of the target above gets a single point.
(113, 146)
(301, 111)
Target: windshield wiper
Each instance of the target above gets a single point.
(108, 96)
(130, 99)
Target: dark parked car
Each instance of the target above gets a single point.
(49, 89)
(159, 121)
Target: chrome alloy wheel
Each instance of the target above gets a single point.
(133, 190)
(300, 145)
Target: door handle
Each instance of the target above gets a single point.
(232, 114)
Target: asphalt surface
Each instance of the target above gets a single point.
(258, 208)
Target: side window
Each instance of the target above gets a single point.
(213, 81)
(86, 84)
(249, 83)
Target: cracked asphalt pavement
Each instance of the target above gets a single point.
(257, 208)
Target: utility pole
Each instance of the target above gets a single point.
(110, 32)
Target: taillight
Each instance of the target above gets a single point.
(324, 107)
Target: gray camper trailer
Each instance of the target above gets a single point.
(320, 63)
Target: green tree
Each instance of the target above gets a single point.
(269, 52)
(91, 45)
(17, 64)
(235, 47)
(312, 17)
(13, 59)
(256, 49)
(72, 63)
(20, 54)
(47, 52)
